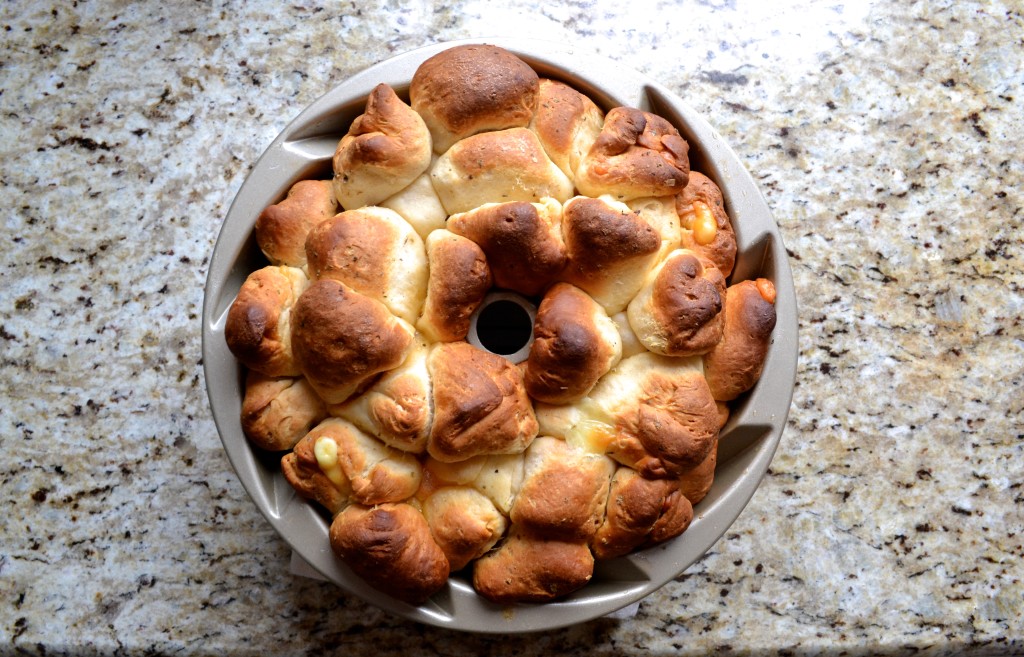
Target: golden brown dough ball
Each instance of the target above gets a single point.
(470, 89)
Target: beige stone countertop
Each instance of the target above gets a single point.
(884, 136)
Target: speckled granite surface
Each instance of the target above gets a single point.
(886, 139)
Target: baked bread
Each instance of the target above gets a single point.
(391, 546)
(419, 205)
(527, 568)
(734, 365)
(509, 165)
(431, 455)
(567, 124)
(464, 523)
(361, 468)
(652, 413)
(660, 213)
(498, 477)
(459, 279)
(397, 408)
(375, 252)
(705, 225)
(303, 471)
(696, 482)
(665, 416)
(627, 243)
(678, 311)
(258, 327)
(564, 491)
(480, 404)
(470, 89)
(637, 154)
(281, 228)
(278, 411)
(575, 343)
(522, 242)
(639, 511)
(385, 150)
(342, 339)
(631, 345)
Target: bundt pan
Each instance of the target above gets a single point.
(747, 442)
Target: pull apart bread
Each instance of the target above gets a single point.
(433, 456)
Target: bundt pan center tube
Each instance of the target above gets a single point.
(503, 325)
(747, 442)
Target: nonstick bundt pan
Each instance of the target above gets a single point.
(748, 442)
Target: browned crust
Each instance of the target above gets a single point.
(735, 364)
(696, 483)
(723, 413)
(459, 279)
(687, 300)
(522, 250)
(527, 568)
(390, 546)
(559, 110)
(301, 469)
(253, 330)
(678, 420)
(563, 493)
(568, 354)
(561, 114)
(637, 154)
(480, 404)
(355, 248)
(515, 149)
(464, 523)
(385, 149)
(401, 413)
(676, 516)
(468, 89)
(671, 430)
(634, 505)
(372, 472)
(385, 134)
(639, 512)
(497, 167)
(277, 412)
(722, 249)
(342, 338)
(590, 226)
(281, 228)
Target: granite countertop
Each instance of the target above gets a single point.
(885, 137)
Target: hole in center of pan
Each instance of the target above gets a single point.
(504, 327)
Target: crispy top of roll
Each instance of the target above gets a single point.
(522, 242)
(390, 545)
(575, 344)
(386, 148)
(281, 228)
(707, 229)
(734, 365)
(678, 312)
(258, 327)
(637, 154)
(480, 404)
(342, 338)
(567, 123)
(472, 88)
